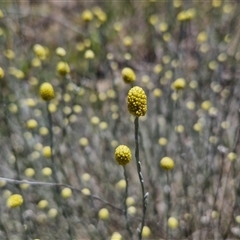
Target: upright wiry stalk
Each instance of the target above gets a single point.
(55, 178)
(125, 204)
(144, 195)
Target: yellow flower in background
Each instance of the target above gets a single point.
(206, 105)
(63, 68)
(232, 156)
(123, 155)
(216, 3)
(172, 223)
(87, 15)
(146, 232)
(127, 41)
(40, 51)
(47, 171)
(103, 214)
(61, 52)
(31, 124)
(86, 191)
(66, 193)
(167, 163)
(46, 91)
(14, 201)
(1, 73)
(47, 151)
(42, 204)
(137, 101)
(52, 213)
(116, 236)
(1, 14)
(202, 37)
(179, 84)
(29, 172)
(8, 53)
(121, 184)
(83, 141)
(89, 54)
(128, 75)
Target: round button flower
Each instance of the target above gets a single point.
(179, 84)
(1, 73)
(128, 75)
(137, 101)
(15, 200)
(46, 91)
(167, 163)
(172, 223)
(63, 68)
(123, 155)
(103, 214)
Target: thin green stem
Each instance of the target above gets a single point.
(144, 195)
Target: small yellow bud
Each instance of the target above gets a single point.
(89, 54)
(167, 163)
(232, 156)
(87, 15)
(172, 223)
(42, 204)
(52, 213)
(47, 152)
(103, 214)
(61, 52)
(146, 232)
(47, 171)
(29, 172)
(15, 200)
(63, 68)
(31, 124)
(66, 193)
(179, 84)
(1, 73)
(128, 75)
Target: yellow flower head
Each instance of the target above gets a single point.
(116, 236)
(47, 171)
(46, 91)
(179, 84)
(232, 156)
(146, 232)
(137, 101)
(89, 54)
(206, 105)
(15, 200)
(103, 214)
(87, 15)
(123, 155)
(63, 68)
(167, 163)
(128, 75)
(61, 52)
(172, 223)
(40, 51)
(66, 192)
(1, 73)
(31, 124)
(47, 151)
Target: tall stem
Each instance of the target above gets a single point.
(125, 204)
(144, 196)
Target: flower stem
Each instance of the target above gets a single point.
(125, 204)
(144, 196)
